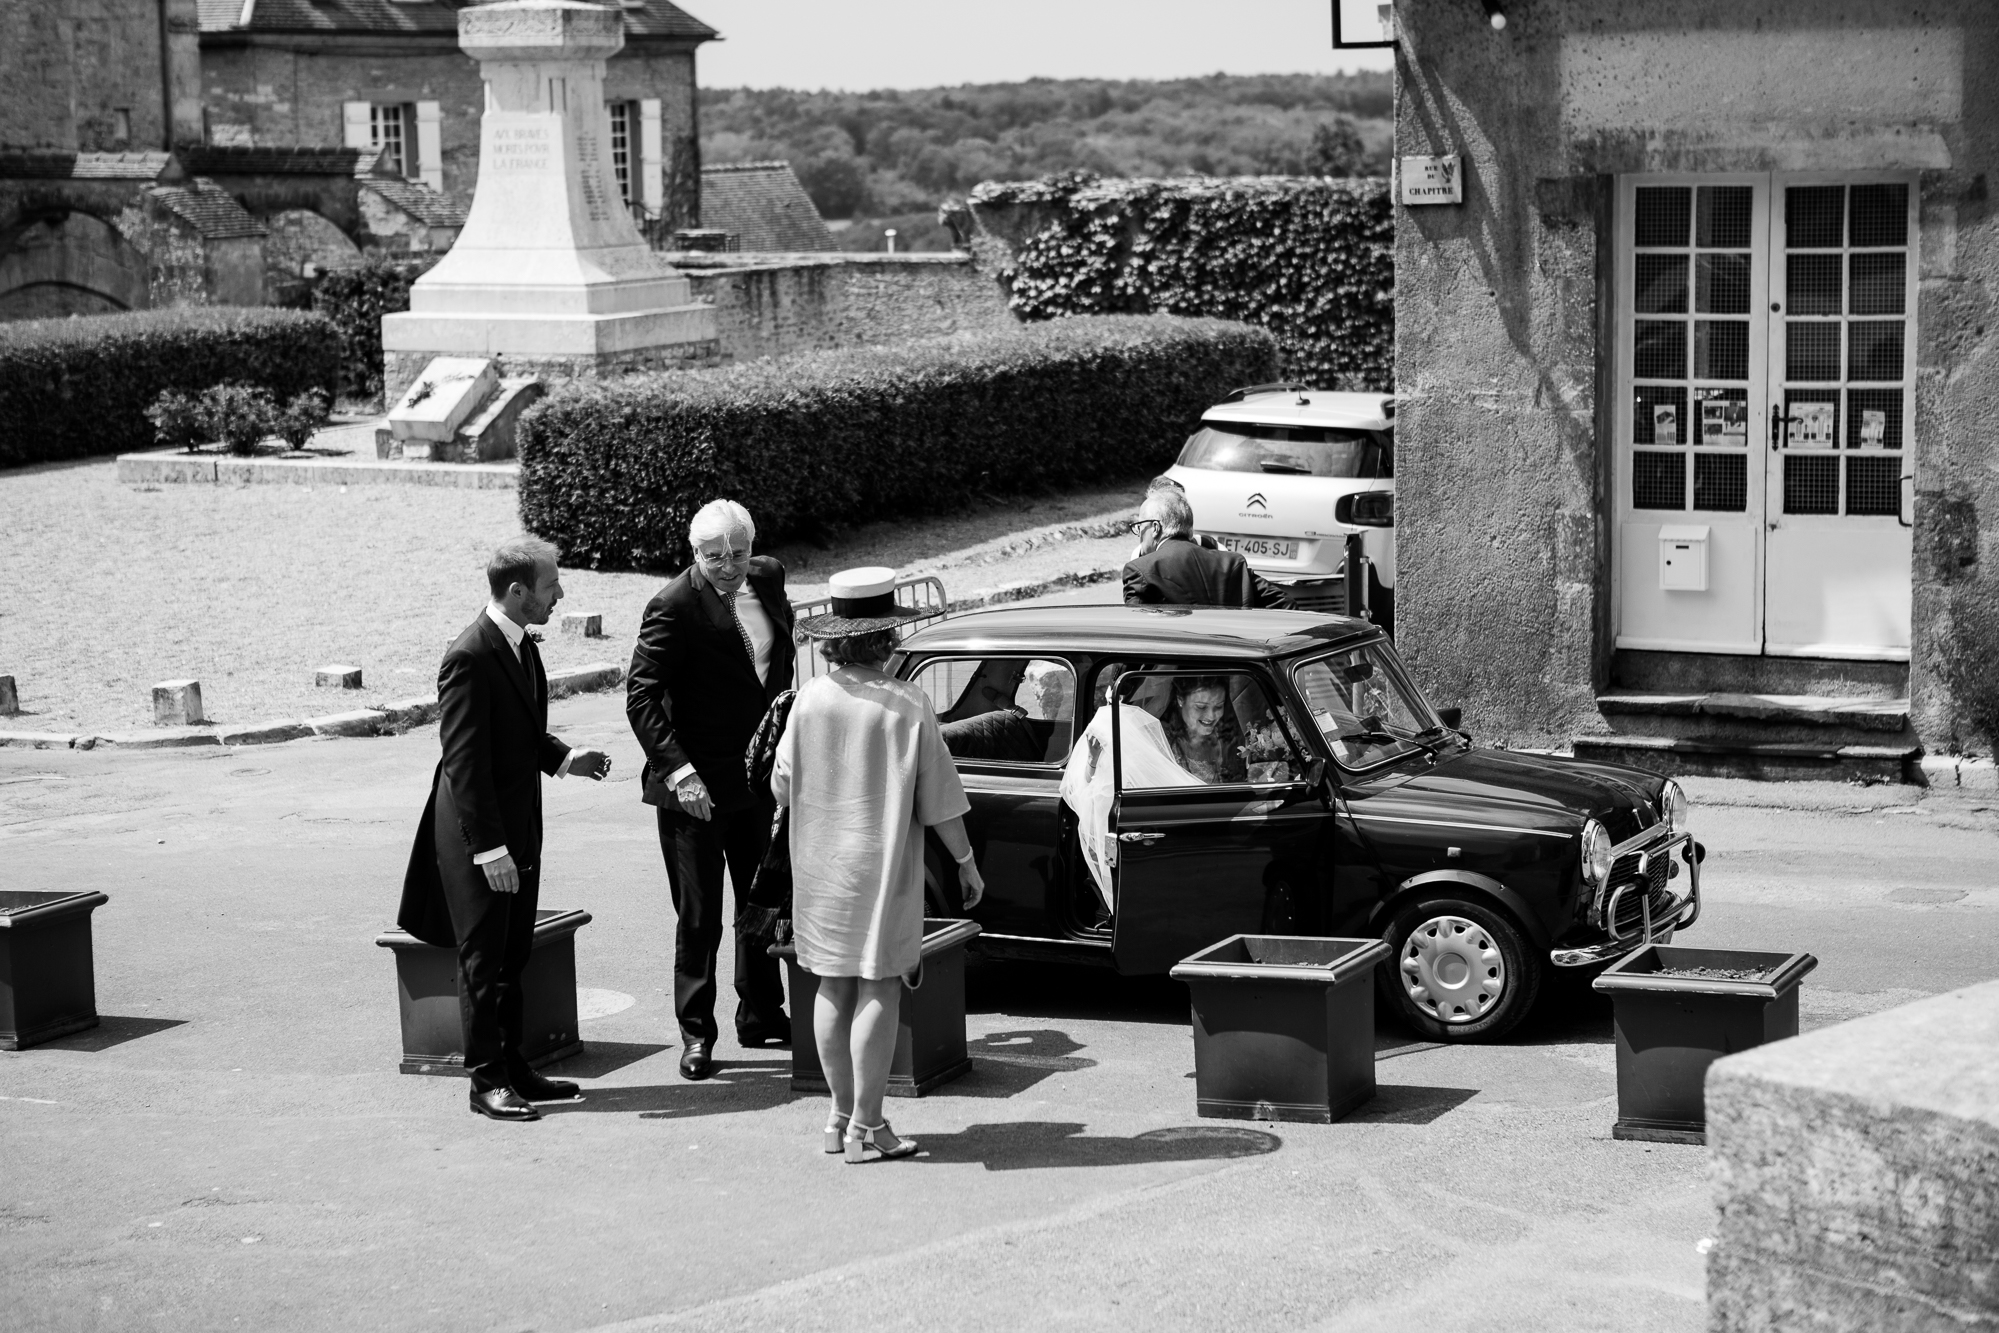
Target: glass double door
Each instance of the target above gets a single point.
(1765, 362)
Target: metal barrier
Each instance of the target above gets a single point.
(925, 594)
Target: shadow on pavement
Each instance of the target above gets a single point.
(1030, 1144)
(1053, 990)
(110, 1031)
(603, 1057)
(1409, 1104)
(1007, 1063)
(1567, 1011)
(735, 1086)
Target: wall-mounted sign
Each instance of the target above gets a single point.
(1431, 180)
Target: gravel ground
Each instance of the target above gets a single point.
(248, 588)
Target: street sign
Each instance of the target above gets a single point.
(1430, 180)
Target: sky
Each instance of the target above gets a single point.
(864, 44)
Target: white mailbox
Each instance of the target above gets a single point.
(1683, 557)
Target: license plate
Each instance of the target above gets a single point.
(1273, 548)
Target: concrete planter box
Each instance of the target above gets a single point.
(930, 1036)
(1671, 1028)
(1283, 1026)
(427, 991)
(48, 982)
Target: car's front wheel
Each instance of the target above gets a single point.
(1460, 971)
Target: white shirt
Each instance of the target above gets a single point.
(763, 642)
(515, 633)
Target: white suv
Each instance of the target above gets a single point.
(1265, 472)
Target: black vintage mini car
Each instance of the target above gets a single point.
(1278, 772)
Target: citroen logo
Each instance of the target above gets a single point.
(1257, 501)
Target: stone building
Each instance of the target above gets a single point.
(1697, 384)
(337, 126)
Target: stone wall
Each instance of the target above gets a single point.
(1856, 1174)
(69, 66)
(774, 305)
(1503, 324)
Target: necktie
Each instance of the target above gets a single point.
(749, 648)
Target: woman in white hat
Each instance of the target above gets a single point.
(863, 768)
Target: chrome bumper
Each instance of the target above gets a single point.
(1649, 931)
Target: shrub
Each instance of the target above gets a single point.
(301, 417)
(176, 420)
(70, 388)
(355, 299)
(612, 471)
(1310, 259)
(238, 416)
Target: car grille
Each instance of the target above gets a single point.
(1630, 909)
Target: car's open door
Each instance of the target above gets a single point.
(1217, 819)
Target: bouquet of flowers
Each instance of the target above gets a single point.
(1266, 753)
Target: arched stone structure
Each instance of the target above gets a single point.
(78, 265)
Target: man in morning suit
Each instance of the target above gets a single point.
(714, 650)
(474, 875)
(1172, 567)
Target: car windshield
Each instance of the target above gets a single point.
(1305, 451)
(1366, 706)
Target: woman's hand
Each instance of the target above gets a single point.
(971, 884)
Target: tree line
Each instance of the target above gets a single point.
(887, 153)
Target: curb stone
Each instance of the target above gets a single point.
(388, 720)
(162, 739)
(264, 733)
(358, 722)
(1026, 589)
(38, 740)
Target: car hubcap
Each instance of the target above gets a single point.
(1452, 969)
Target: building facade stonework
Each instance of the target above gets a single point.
(1697, 383)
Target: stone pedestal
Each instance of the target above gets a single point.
(550, 275)
(1856, 1173)
(177, 703)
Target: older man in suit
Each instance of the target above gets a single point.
(714, 650)
(474, 877)
(1171, 566)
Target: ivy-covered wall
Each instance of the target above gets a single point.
(1310, 259)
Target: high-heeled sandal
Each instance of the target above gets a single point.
(836, 1133)
(861, 1142)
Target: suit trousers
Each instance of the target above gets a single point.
(695, 851)
(495, 939)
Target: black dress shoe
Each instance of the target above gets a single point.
(695, 1062)
(535, 1088)
(764, 1034)
(503, 1104)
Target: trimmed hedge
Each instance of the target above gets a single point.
(1311, 259)
(70, 388)
(355, 299)
(611, 472)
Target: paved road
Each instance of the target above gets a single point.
(234, 1148)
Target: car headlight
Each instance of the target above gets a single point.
(1596, 854)
(1673, 807)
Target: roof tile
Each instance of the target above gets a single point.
(208, 208)
(764, 206)
(419, 201)
(643, 18)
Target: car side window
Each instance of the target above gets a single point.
(1004, 709)
(1189, 729)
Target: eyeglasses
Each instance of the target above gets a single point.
(1147, 522)
(719, 559)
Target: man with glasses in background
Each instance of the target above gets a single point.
(1172, 566)
(714, 650)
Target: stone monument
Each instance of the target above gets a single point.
(550, 275)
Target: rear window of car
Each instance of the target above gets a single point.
(1303, 451)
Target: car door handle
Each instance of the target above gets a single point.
(1140, 837)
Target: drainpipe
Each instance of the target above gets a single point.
(166, 82)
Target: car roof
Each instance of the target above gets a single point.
(1309, 407)
(1200, 631)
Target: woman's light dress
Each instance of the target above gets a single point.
(863, 767)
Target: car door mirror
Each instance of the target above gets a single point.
(1365, 509)
(1453, 717)
(1315, 777)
